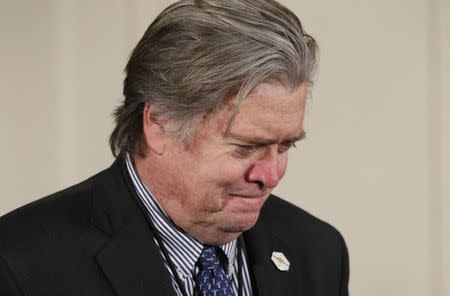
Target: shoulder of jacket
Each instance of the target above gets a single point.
(284, 217)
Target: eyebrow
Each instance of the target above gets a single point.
(262, 141)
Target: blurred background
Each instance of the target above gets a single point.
(376, 163)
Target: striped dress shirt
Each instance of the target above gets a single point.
(182, 248)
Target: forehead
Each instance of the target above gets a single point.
(272, 111)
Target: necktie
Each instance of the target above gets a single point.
(212, 280)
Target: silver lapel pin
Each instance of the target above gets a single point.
(280, 261)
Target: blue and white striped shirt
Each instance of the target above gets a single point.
(183, 249)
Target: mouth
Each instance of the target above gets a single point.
(248, 203)
(248, 195)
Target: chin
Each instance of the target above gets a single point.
(227, 227)
(240, 223)
(228, 233)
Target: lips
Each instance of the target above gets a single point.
(247, 195)
(247, 203)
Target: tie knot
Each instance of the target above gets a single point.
(209, 258)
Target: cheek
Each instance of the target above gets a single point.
(212, 182)
(231, 172)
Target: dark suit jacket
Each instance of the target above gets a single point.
(94, 239)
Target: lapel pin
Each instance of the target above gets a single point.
(280, 261)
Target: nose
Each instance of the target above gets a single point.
(268, 170)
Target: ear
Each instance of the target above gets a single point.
(154, 134)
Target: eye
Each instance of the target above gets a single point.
(243, 151)
(285, 146)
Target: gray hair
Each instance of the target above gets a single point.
(197, 54)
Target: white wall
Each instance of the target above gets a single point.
(376, 161)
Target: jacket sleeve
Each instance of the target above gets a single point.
(8, 284)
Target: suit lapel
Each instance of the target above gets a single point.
(133, 264)
(260, 243)
(131, 260)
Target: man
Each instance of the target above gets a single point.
(215, 95)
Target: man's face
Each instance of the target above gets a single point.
(215, 189)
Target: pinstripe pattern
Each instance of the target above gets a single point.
(183, 249)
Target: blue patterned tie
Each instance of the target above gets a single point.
(212, 280)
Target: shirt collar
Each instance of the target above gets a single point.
(183, 249)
